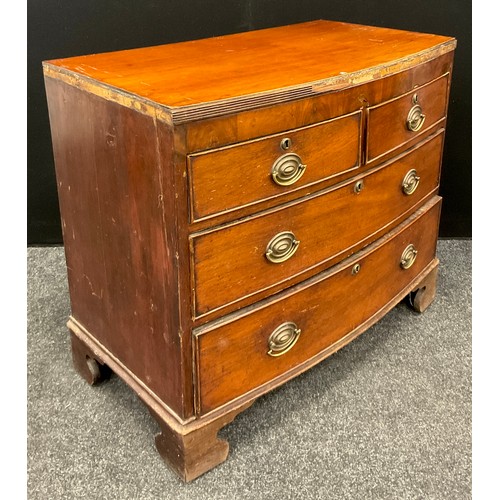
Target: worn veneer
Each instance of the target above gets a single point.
(196, 240)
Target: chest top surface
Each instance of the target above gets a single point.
(304, 58)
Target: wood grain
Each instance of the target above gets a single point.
(87, 363)
(386, 122)
(240, 126)
(422, 296)
(121, 269)
(233, 358)
(229, 262)
(228, 178)
(197, 449)
(270, 65)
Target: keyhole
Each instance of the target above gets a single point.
(358, 187)
(286, 143)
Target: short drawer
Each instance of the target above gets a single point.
(396, 122)
(267, 340)
(236, 261)
(235, 176)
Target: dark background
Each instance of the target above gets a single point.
(58, 28)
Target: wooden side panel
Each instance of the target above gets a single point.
(234, 359)
(119, 245)
(76, 171)
(172, 157)
(230, 263)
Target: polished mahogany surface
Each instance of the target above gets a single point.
(234, 358)
(213, 69)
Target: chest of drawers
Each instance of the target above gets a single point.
(236, 209)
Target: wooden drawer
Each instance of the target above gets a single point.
(229, 263)
(233, 356)
(388, 123)
(232, 177)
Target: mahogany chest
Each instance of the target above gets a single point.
(236, 209)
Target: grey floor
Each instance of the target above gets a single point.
(387, 417)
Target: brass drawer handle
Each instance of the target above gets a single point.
(408, 257)
(281, 247)
(415, 118)
(287, 169)
(410, 182)
(283, 339)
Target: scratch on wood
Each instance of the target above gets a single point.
(92, 287)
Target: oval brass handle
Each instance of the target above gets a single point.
(408, 257)
(287, 169)
(415, 118)
(281, 247)
(410, 182)
(283, 339)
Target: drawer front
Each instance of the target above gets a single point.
(393, 123)
(233, 262)
(224, 179)
(265, 342)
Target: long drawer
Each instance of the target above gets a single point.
(236, 261)
(240, 353)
